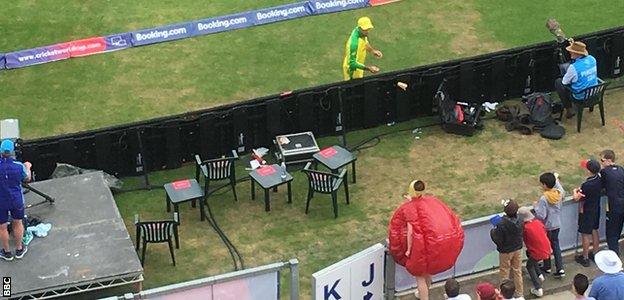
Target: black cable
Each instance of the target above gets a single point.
(231, 248)
(234, 253)
(378, 137)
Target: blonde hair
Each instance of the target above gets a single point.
(415, 188)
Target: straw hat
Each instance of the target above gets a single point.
(578, 48)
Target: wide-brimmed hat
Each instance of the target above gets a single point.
(608, 262)
(578, 48)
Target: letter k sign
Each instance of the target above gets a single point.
(332, 292)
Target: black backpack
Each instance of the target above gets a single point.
(540, 109)
(455, 117)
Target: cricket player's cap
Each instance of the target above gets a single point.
(365, 23)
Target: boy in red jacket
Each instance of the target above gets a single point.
(538, 248)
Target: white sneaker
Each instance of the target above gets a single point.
(417, 294)
(541, 277)
(538, 292)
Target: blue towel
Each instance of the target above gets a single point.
(40, 230)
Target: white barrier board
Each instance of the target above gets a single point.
(359, 276)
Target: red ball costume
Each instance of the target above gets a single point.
(437, 238)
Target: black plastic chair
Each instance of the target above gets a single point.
(591, 96)
(216, 170)
(325, 183)
(157, 232)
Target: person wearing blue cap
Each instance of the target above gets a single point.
(12, 174)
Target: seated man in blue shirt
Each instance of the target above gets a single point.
(609, 286)
(12, 174)
(581, 74)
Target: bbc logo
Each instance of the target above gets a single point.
(6, 286)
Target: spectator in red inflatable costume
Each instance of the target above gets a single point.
(425, 236)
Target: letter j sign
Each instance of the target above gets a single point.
(359, 276)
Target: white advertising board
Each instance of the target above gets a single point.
(359, 276)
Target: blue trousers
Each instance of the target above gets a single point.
(615, 222)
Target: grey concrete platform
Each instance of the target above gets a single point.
(87, 249)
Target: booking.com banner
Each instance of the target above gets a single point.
(161, 34)
(330, 6)
(281, 13)
(224, 23)
(95, 45)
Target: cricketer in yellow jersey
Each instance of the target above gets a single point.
(355, 51)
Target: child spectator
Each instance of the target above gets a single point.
(451, 287)
(507, 290)
(486, 291)
(507, 235)
(588, 196)
(579, 286)
(538, 248)
(548, 210)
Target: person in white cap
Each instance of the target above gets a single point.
(609, 286)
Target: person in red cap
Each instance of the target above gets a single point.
(588, 195)
(486, 291)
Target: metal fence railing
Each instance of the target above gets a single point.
(255, 283)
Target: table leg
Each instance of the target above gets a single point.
(289, 193)
(253, 190)
(168, 203)
(177, 210)
(353, 169)
(267, 204)
(202, 203)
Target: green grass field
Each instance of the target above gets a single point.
(197, 73)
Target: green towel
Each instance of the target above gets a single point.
(28, 237)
